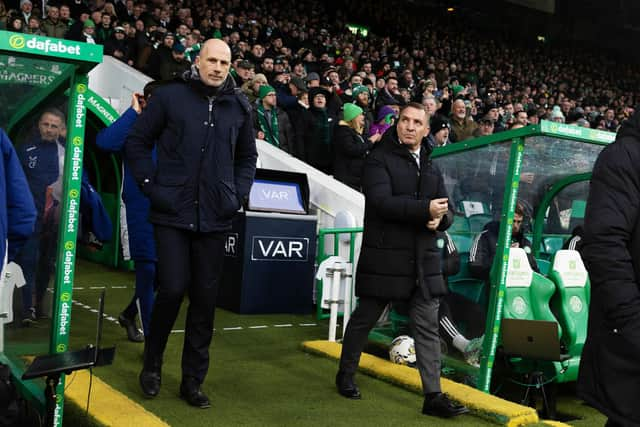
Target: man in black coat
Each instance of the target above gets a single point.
(405, 204)
(202, 130)
(609, 377)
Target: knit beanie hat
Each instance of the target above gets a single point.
(265, 90)
(357, 90)
(556, 113)
(89, 24)
(351, 111)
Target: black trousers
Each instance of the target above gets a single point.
(188, 262)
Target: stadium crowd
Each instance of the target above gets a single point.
(299, 64)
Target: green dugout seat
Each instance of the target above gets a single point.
(527, 293)
(571, 304)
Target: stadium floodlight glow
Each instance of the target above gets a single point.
(450, 9)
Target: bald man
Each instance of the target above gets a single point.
(202, 129)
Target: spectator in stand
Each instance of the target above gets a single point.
(462, 125)
(313, 80)
(361, 99)
(556, 115)
(389, 94)
(386, 118)
(105, 30)
(177, 65)
(439, 133)
(26, 10)
(4, 15)
(34, 26)
(16, 24)
(252, 88)
(161, 54)
(267, 68)
(351, 147)
(270, 122)
(242, 72)
(521, 117)
(53, 25)
(87, 33)
(65, 16)
(119, 46)
(317, 125)
(486, 126)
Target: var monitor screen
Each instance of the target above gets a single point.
(274, 196)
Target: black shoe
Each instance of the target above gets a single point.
(441, 406)
(133, 334)
(190, 391)
(29, 317)
(347, 387)
(150, 382)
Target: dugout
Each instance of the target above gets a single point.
(40, 78)
(548, 168)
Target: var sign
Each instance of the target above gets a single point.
(266, 248)
(231, 245)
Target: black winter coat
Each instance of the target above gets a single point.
(206, 154)
(609, 377)
(399, 252)
(317, 138)
(350, 151)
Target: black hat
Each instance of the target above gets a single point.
(318, 91)
(246, 64)
(438, 123)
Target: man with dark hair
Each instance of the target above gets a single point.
(483, 249)
(400, 259)
(202, 129)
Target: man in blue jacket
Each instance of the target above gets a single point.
(141, 244)
(41, 158)
(202, 130)
(17, 210)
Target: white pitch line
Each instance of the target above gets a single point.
(237, 328)
(79, 288)
(177, 331)
(307, 324)
(118, 287)
(285, 325)
(93, 310)
(258, 327)
(112, 319)
(96, 287)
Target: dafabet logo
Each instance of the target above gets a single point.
(16, 42)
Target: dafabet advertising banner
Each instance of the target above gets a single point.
(38, 45)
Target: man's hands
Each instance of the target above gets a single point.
(437, 209)
(137, 102)
(434, 223)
